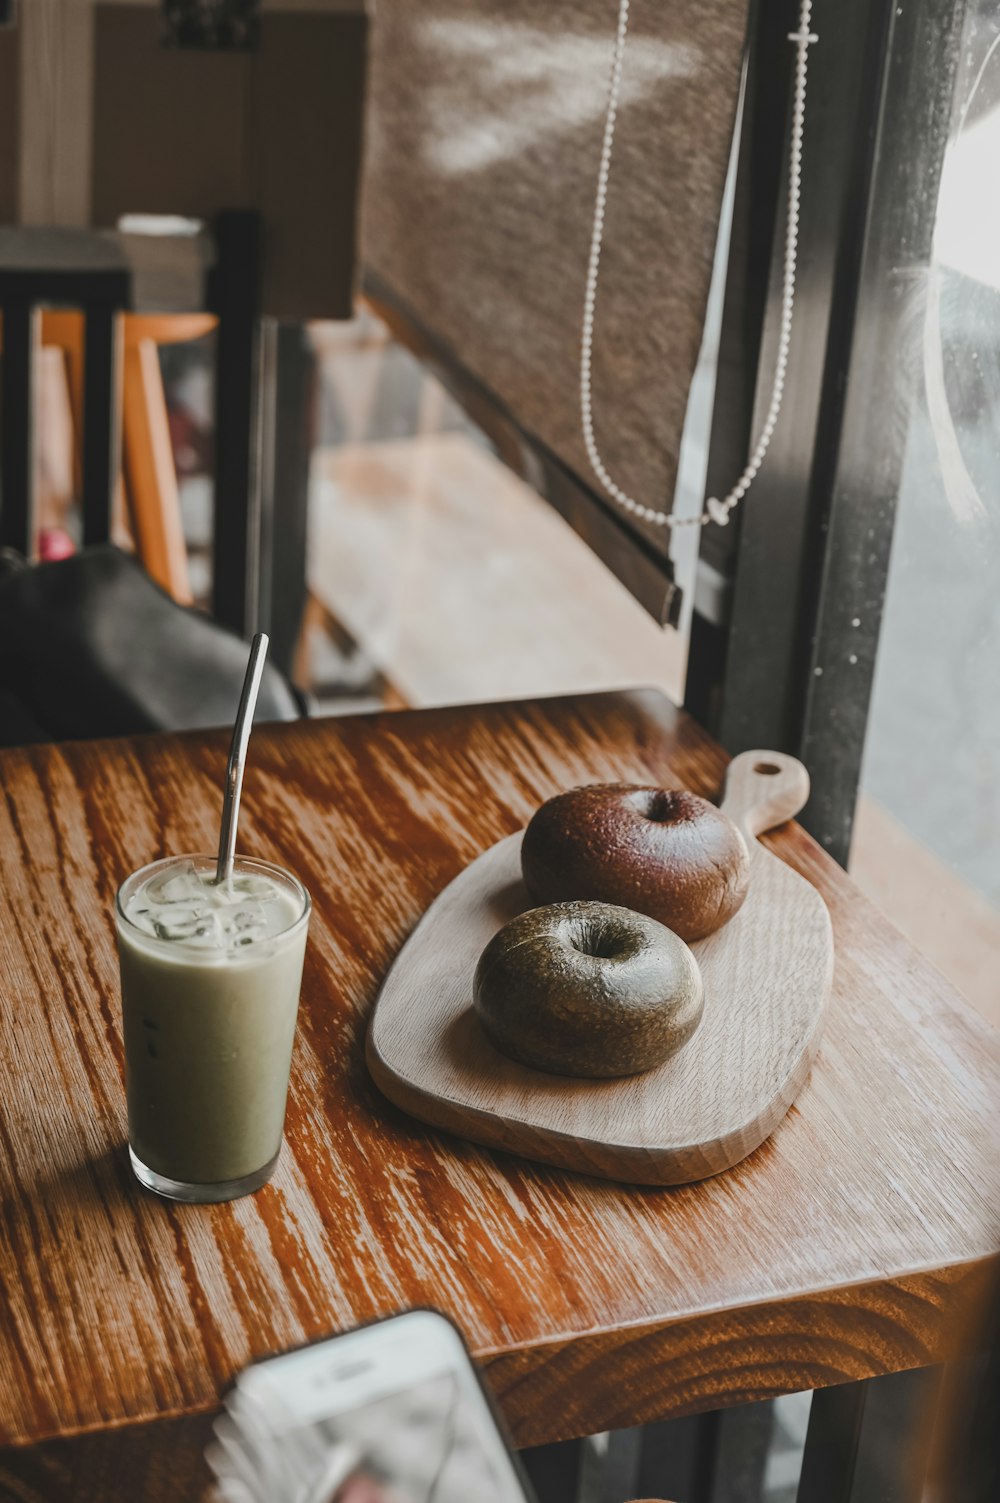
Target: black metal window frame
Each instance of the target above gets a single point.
(788, 598)
(788, 601)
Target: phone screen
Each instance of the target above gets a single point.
(393, 1413)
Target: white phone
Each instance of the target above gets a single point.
(393, 1412)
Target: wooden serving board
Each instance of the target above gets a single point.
(767, 976)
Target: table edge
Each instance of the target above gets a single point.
(510, 1371)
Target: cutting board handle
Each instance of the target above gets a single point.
(763, 789)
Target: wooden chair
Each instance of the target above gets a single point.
(153, 502)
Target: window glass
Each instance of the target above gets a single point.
(927, 839)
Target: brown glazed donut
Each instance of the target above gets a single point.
(587, 989)
(664, 852)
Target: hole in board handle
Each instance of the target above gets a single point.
(767, 769)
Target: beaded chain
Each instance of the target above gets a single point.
(715, 510)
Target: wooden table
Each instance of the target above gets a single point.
(847, 1246)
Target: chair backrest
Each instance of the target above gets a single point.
(90, 274)
(89, 646)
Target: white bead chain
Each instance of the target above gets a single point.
(715, 510)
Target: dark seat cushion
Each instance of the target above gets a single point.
(90, 646)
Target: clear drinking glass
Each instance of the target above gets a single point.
(210, 981)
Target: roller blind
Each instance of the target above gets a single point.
(484, 136)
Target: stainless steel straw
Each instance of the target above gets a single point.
(238, 757)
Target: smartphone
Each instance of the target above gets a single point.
(394, 1412)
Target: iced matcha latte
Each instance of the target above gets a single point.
(210, 990)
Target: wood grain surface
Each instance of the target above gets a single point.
(842, 1248)
(766, 975)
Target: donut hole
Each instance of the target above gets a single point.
(602, 941)
(658, 805)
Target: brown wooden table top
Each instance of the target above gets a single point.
(843, 1248)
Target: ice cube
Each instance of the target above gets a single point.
(186, 906)
(189, 926)
(178, 884)
(250, 885)
(240, 923)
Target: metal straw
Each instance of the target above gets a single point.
(238, 757)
